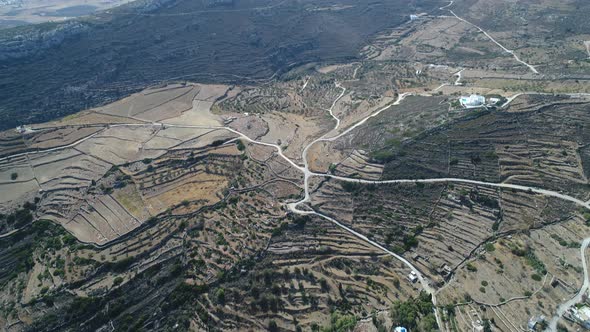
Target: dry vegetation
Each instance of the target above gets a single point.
(153, 213)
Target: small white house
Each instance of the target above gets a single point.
(472, 101)
(413, 277)
(533, 321)
(400, 329)
(494, 101)
(23, 129)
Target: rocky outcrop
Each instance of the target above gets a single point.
(38, 38)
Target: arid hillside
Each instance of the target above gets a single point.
(57, 69)
(426, 172)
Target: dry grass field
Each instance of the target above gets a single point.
(311, 201)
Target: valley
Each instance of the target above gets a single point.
(337, 193)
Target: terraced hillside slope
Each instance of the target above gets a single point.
(338, 196)
(194, 194)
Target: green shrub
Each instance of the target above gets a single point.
(383, 156)
(414, 311)
(117, 281)
(217, 142)
(240, 145)
(220, 295)
(410, 242)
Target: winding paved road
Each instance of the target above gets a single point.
(482, 183)
(307, 174)
(578, 297)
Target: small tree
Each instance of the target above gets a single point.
(117, 281)
(332, 168)
(240, 145)
(220, 295)
(14, 176)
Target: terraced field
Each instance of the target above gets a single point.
(157, 196)
(535, 146)
(308, 270)
(210, 233)
(333, 196)
(525, 287)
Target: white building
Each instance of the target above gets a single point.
(23, 129)
(494, 101)
(472, 101)
(533, 321)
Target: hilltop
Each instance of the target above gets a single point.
(104, 57)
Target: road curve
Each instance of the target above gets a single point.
(399, 99)
(450, 4)
(578, 297)
(307, 174)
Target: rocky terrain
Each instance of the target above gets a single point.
(351, 191)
